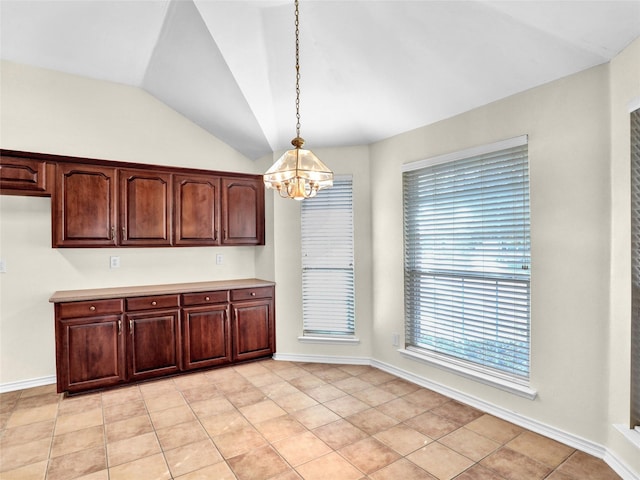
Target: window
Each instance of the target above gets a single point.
(467, 260)
(327, 261)
(635, 268)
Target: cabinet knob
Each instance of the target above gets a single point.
(253, 294)
(92, 308)
(206, 299)
(154, 303)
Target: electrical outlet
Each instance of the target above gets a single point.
(219, 259)
(3, 265)
(114, 262)
(395, 339)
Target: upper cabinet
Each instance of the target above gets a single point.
(25, 176)
(99, 203)
(84, 206)
(146, 208)
(197, 203)
(243, 211)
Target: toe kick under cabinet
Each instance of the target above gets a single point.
(114, 336)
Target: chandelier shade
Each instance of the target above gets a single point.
(298, 174)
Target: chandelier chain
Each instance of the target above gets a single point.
(297, 71)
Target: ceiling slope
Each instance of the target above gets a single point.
(370, 69)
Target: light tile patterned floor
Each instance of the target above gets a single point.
(273, 420)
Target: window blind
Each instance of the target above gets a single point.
(327, 261)
(635, 268)
(467, 258)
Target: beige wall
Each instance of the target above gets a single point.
(625, 91)
(44, 111)
(567, 123)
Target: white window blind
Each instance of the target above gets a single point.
(635, 268)
(467, 258)
(327, 261)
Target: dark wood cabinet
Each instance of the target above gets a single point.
(153, 343)
(101, 203)
(253, 322)
(110, 341)
(25, 176)
(206, 330)
(101, 206)
(197, 200)
(85, 203)
(146, 208)
(89, 345)
(243, 211)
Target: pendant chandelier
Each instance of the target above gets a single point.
(298, 174)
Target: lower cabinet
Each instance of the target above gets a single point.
(206, 337)
(253, 323)
(89, 345)
(110, 342)
(153, 340)
(153, 344)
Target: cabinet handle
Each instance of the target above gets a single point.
(215, 234)
(253, 294)
(225, 234)
(113, 233)
(154, 303)
(124, 233)
(92, 308)
(131, 327)
(206, 299)
(119, 327)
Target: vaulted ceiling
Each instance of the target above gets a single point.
(369, 69)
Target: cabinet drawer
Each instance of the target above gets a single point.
(90, 308)
(205, 298)
(152, 302)
(251, 293)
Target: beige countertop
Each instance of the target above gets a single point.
(142, 290)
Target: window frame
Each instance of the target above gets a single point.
(347, 333)
(512, 383)
(634, 141)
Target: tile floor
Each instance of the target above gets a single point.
(273, 420)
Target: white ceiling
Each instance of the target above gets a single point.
(369, 69)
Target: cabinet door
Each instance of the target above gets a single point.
(146, 208)
(84, 213)
(197, 201)
(153, 344)
(90, 353)
(25, 176)
(253, 329)
(243, 211)
(206, 336)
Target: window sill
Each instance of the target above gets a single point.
(329, 340)
(631, 434)
(484, 378)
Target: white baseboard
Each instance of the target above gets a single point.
(567, 438)
(290, 357)
(620, 468)
(24, 384)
